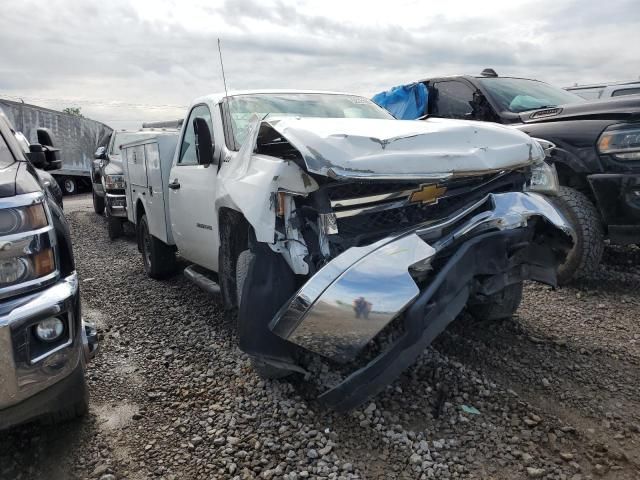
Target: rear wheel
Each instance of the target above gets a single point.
(98, 203)
(585, 256)
(159, 258)
(500, 305)
(69, 186)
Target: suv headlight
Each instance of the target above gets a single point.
(114, 182)
(622, 143)
(26, 251)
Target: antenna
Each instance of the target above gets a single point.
(224, 80)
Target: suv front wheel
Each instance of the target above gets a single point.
(585, 256)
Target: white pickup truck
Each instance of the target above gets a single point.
(333, 229)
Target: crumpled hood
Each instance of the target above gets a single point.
(356, 147)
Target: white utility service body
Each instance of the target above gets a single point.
(146, 165)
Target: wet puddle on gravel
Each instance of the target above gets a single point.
(115, 417)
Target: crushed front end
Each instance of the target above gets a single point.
(382, 255)
(423, 278)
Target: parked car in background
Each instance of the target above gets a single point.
(75, 138)
(606, 90)
(327, 225)
(596, 154)
(108, 180)
(44, 345)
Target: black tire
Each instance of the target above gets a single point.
(498, 306)
(158, 258)
(78, 402)
(267, 371)
(69, 186)
(585, 256)
(263, 369)
(114, 227)
(98, 203)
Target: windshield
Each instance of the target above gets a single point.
(6, 157)
(126, 137)
(519, 95)
(326, 105)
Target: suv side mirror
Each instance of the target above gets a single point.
(37, 156)
(204, 146)
(101, 153)
(45, 137)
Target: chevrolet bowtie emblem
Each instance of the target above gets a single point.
(428, 194)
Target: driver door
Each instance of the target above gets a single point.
(192, 196)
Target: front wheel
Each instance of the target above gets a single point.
(159, 258)
(114, 227)
(500, 305)
(98, 203)
(585, 256)
(74, 402)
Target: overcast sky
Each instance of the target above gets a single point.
(124, 61)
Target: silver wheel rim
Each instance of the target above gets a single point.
(69, 186)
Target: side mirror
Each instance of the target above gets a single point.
(37, 156)
(204, 146)
(45, 137)
(101, 153)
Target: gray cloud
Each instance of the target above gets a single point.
(105, 51)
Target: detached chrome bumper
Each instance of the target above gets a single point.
(356, 295)
(27, 367)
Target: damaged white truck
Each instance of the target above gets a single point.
(334, 229)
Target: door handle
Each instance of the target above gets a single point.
(174, 185)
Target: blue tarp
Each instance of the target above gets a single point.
(405, 102)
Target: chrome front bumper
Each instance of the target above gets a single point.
(356, 295)
(23, 372)
(117, 204)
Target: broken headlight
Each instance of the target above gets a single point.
(544, 179)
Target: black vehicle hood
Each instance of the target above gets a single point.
(625, 108)
(17, 179)
(8, 180)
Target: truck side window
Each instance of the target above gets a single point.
(453, 100)
(187, 148)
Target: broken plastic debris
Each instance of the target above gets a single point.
(470, 410)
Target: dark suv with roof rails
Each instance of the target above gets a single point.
(596, 150)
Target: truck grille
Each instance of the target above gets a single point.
(367, 211)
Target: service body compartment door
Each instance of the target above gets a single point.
(155, 193)
(131, 211)
(137, 166)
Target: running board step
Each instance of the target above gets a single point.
(202, 278)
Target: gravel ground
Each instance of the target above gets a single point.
(554, 394)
